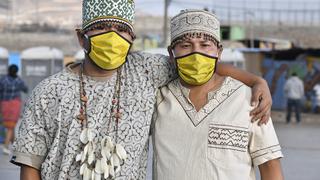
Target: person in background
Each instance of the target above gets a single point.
(10, 91)
(294, 91)
(316, 90)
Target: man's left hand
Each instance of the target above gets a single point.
(262, 101)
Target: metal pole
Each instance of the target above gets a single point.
(304, 14)
(245, 11)
(272, 11)
(165, 27)
(229, 13)
(12, 15)
(52, 61)
(251, 31)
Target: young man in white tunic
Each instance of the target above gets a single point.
(80, 122)
(202, 127)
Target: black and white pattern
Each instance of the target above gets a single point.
(228, 137)
(118, 10)
(49, 128)
(195, 21)
(266, 150)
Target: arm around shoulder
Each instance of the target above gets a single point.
(271, 170)
(29, 173)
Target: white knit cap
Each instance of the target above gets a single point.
(195, 21)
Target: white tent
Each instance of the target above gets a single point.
(42, 53)
(4, 61)
(79, 56)
(4, 54)
(234, 57)
(40, 62)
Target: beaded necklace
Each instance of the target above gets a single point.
(107, 162)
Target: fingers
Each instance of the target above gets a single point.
(263, 103)
(260, 111)
(264, 119)
(255, 98)
(257, 109)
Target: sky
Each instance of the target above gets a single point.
(155, 7)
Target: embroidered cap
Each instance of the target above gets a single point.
(200, 22)
(95, 11)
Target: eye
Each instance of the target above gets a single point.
(121, 30)
(100, 28)
(206, 45)
(185, 45)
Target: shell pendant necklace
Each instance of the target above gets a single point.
(106, 163)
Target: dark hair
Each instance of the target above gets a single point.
(294, 74)
(195, 35)
(13, 70)
(108, 24)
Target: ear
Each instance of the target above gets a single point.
(84, 41)
(80, 38)
(220, 52)
(171, 56)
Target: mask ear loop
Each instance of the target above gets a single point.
(171, 55)
(86, 44)
(172, 59)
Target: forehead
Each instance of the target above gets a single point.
(107, 26)
(194, 40)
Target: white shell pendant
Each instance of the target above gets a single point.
(121, 152)
(84, 153)
(84, 136)
(91, 158)
(93, 175)
(79, 157)
(98, 169)
(106, 171)
(97, 176)
(116, 162)
(82, 168)
(105, 152)
(111, 171)
(109, 142)
(91, 155)
(87, 174)
(112, 155)
(90, 135)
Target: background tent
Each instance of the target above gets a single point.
(79, 56)
(4, 61)
(234, 57)
(39, 63)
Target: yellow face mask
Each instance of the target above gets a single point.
(108, 50)
(196, 68)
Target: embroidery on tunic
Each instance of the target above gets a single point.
(228, 87)
(267, 150)
(228, 137)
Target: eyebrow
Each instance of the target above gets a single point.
(204, 41)
(189, 41)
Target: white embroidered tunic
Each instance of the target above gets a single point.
(219, 142)
(48, 137)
